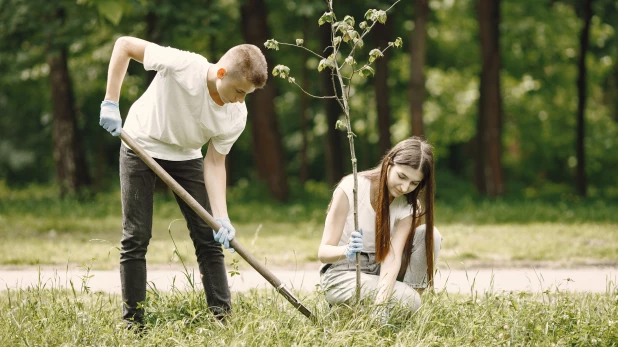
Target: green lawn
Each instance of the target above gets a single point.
(37, 228)
(38, 317)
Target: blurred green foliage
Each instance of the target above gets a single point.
(539, 47)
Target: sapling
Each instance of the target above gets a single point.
(343, 34)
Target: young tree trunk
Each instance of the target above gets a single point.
(304, 105)
(71, 170)
(616, 92)
(582, 95)
(489, 127)
(382, 33)
(267, 146)
(418, 48)
(334, 152)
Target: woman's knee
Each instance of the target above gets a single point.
(407, 296)
(421, 231)
(437, 239)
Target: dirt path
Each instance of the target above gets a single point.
(584, 279)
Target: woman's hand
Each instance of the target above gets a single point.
(355, 245)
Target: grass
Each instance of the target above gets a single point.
(52, 316)
(37, 228)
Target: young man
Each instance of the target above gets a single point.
(190, 102)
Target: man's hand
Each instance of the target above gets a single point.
(355, 245)
(225, 234)
(110, 117)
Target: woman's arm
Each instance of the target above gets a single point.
(329, 252)
(392, 263)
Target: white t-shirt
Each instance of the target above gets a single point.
(176, 115)
(399, 209)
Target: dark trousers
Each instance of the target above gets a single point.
(137, 182)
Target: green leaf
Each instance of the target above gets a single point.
(272, 44)
(398, 42)
(362, 25)
(292, 80)
(340, 125)
(350, 60)
(327, 17)
(350, 35)
(342, 27)
(111, 10)
(370, 14)
(381, 16)
(281, 71)
(366, 70)
(375, 54)
(349, 20)
(359, 42)
(299, 42)
(336, 40)
(327, 62)
(375, 15)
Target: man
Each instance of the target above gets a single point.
(189, 103)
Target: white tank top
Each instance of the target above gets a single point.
(399, 209)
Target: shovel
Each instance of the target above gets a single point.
(242, 251)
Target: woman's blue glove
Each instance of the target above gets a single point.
(355, 245)
(110, 117)
(225, 234)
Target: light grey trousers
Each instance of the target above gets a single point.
(338, 280)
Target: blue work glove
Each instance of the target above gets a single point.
(110, 117)
(355, 245)
(225, 234)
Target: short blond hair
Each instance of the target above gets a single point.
(246, 61)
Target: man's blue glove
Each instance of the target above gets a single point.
(355, 245)
(225, 234)
(110, 117)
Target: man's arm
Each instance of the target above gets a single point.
(125, 49)
(215, 180)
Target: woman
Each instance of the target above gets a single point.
(397, 254)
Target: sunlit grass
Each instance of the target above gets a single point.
(38, 228)
(51, 316)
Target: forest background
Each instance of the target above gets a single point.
(519, 98)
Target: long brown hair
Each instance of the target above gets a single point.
(418, 154)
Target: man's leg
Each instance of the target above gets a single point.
(190, 175)
(136, 190)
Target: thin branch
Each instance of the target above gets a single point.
(303, 47)
(332, 78)
(315, 96)
(367, 30)
(395, 3)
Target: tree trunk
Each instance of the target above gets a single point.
(334, 152)
(382, 33)
(582, 95)
(267, 146)
(304, 105)
(489, 127)
(71, 170)
(418, 48)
